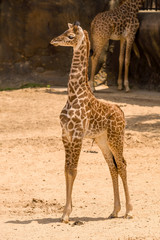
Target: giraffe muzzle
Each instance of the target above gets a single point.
(54, 42)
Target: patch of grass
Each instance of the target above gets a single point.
(27, 85)
(32, 85)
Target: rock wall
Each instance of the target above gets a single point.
(26, 28)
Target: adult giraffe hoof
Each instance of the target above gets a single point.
(127, 89)
(120, 88)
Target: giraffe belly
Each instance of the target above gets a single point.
(94, 133)
(114, 37)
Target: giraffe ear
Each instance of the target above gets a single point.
(70, 25)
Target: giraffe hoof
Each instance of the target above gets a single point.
(120, 88)
(113, 215)
(127, 90)
(128, 216)
(64, 221)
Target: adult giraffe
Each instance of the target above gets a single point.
(118, 24)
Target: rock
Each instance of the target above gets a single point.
(40, 69)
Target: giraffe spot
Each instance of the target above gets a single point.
(80, 90)
(72, 98)
(76, 105)
(77, 112)
(82, 95)
(64, 111)
(76, 59)
(76, 86)
(71, 88)
(83, 85)
(113, 129)
(81, 47)
(75, 119)
(70, 125)
(71, 112)
(85, 101)
(83, 112)
(74, 70)
(75, 64)
(78, 75)
(77, 145)
(82, 57)
(63, 118)
(84, 71)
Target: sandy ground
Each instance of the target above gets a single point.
(32, 184)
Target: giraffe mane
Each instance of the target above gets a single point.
(88, 42)
(88, 50)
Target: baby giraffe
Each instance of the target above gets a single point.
(84, 116)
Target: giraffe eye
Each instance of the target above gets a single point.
(70, 36)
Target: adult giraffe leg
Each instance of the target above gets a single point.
(127, 62)
(102, 143)
(97, 50)
(129, 44)
(72, 152)
(94, 62)
(121, 61)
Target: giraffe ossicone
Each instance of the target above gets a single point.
(84, 116)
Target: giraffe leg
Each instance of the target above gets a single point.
(127, 62)
(70, 175)
(121, 61)
(95, 58)
(121, 167)
(123, 174)
(102, 143)
(129, 44)
(94, 62)
(72, 152)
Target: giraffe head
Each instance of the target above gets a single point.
(72, 37)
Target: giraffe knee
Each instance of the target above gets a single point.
(124, 161)
(71, 170)
(122, 169)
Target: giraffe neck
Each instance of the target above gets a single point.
(134, 5)
(78, 77)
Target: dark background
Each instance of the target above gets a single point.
(26, 28)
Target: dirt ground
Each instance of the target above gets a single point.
(32, 183)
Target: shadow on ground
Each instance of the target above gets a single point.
(58, 220)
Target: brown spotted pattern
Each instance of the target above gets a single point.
(118, 24)
(84, 116)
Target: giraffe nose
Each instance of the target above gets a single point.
(54, 42)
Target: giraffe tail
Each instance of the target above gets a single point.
(114, 161)
(123, 160)
(136, 50)
(91, 52)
